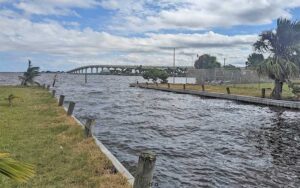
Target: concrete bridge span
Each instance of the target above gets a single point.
(125, 69)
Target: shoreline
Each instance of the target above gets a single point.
(117, 164)
(36, 130)
(240, 98)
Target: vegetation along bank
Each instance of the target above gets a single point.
(35, 130)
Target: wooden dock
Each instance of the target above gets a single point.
(241, 98)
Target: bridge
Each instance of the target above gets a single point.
(126, 69)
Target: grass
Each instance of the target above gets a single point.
(237, 89)
(35, 130)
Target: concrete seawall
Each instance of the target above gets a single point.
(241, 98)
(116, 163)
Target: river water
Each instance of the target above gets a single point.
(199, 142)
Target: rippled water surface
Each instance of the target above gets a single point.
(199, 142)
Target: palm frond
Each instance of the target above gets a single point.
(15, 170)
(278, 68)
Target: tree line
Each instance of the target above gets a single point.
(281, 47)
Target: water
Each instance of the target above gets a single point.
(199, 142)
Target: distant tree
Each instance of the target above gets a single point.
(254, 60)
(231, 67)
(155, 75)
(282, 44)
(29, 75)
(207, 62)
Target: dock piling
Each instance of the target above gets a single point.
(228, 90)
(263, 92)
(145, 170)
(203, 87)
(88, 127)
(184, 86)
(169, 85)
(53, 93)
(61, 100)
(71, 108)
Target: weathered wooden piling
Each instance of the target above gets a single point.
(145, 170)
(137, 82)
(203, 87)
(156, 84)
(61, 100)
(184, 86)
(53, 93)
(88, 127)
(147, 83)
(228, 90)
(85, 77)
(54, 80)
(168, 85)
(263, 92)
(71, 108)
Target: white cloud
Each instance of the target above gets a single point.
(197, 15)
(53, 7)
(92, 47)
(57, 43)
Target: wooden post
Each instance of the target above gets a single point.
(228, 90)
(137, 82)
(203, 87)
(145, 169)
(263, 92)
(183, 86)
(71, 108)
(61, 100)
(156, 84)
(88, 127)
(53, 93)
(85, 77)
(168, 85)
(147, 83)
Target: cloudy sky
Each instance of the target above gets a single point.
(64, 34)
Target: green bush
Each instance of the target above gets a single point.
(155, 75)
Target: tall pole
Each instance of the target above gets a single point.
(186, 75)
(224, 61)
(174, 67)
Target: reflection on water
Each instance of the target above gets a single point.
(199, 142)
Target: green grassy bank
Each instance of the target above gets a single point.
(237, 89)
(35, 130)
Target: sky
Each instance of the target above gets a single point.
(65, 34)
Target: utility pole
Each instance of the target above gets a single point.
(224, 61)
(174, 67)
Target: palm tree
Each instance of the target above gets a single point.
(15, 170)
(29, 75)
(282, 45)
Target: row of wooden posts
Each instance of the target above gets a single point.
(263, 90)
(147, 159)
